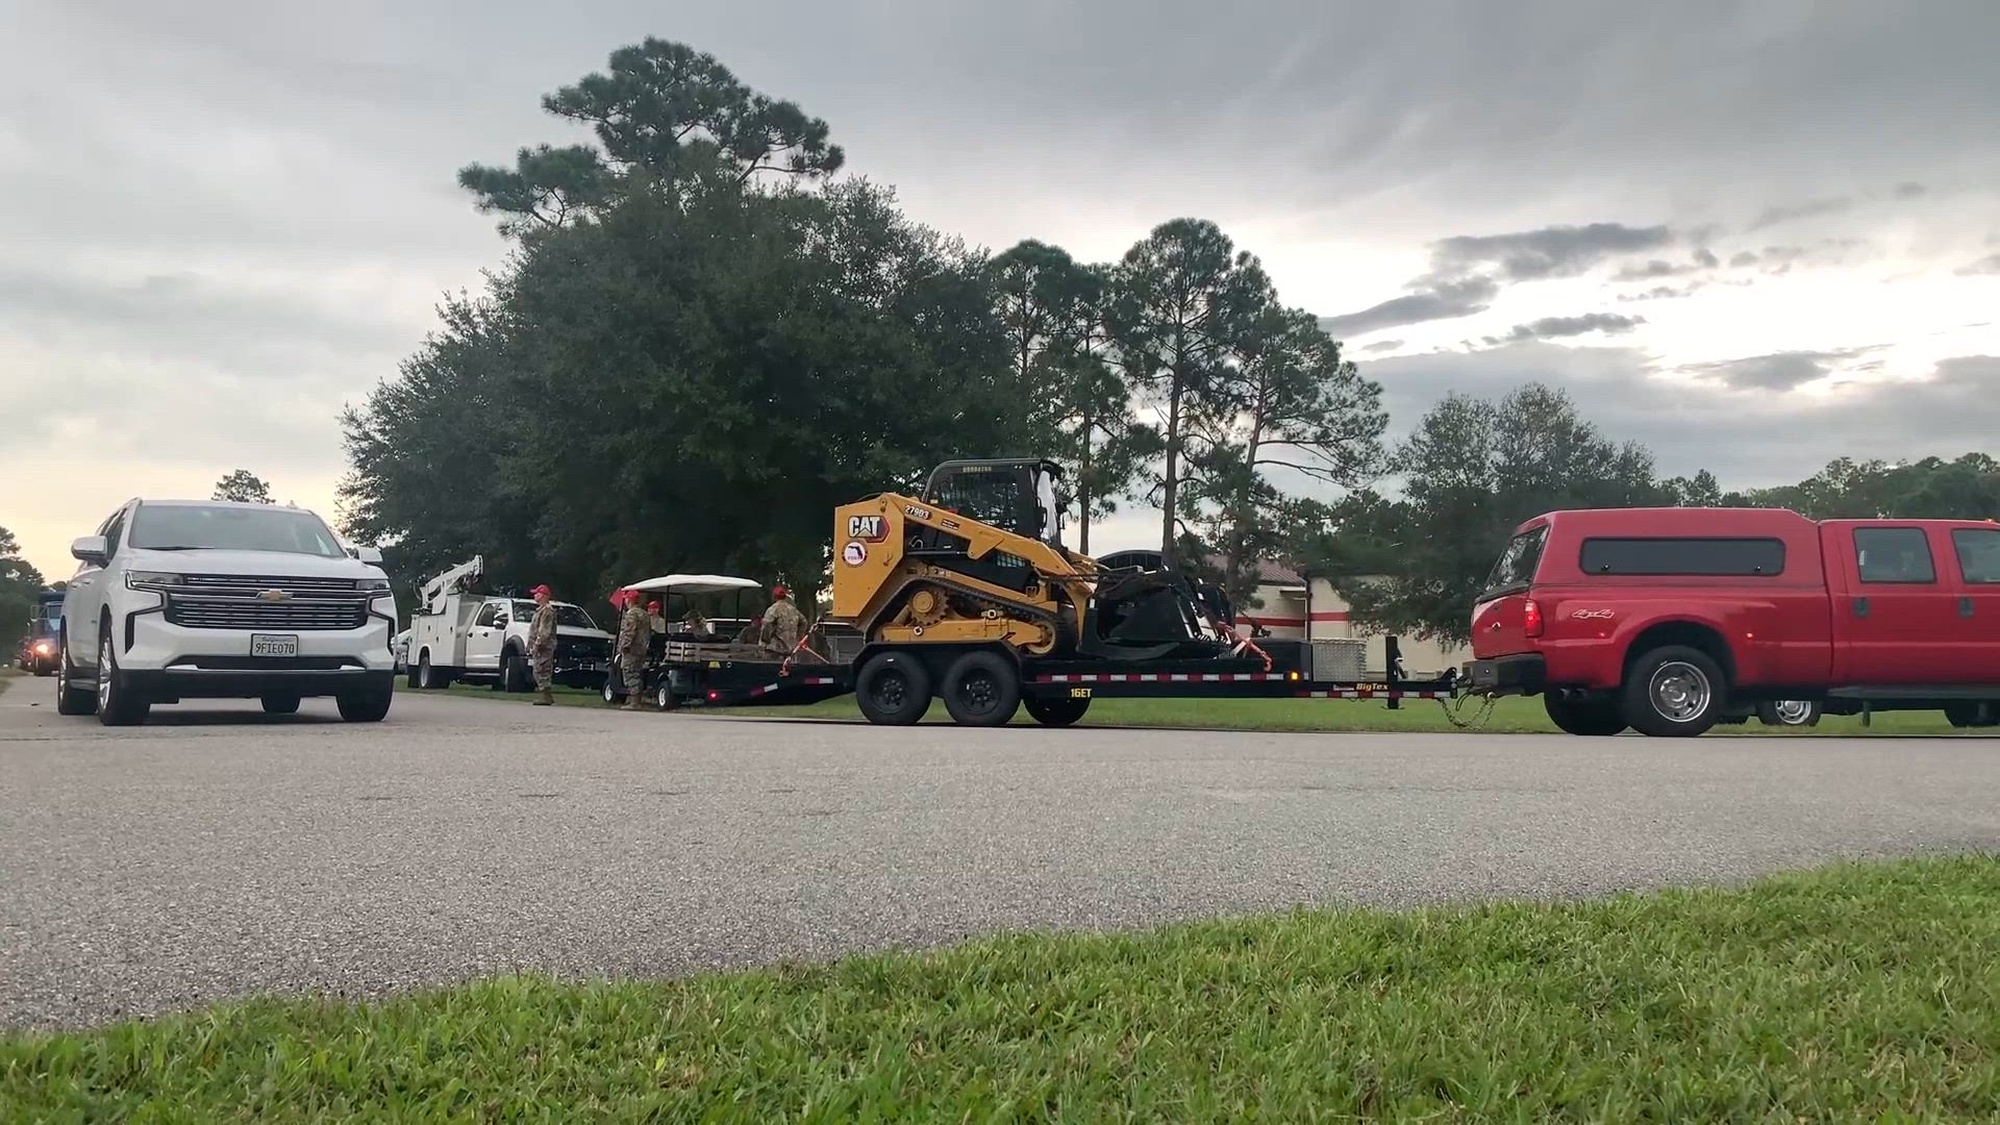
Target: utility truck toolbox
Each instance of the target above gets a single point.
(1670, 620)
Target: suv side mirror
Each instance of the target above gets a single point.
(91, 549)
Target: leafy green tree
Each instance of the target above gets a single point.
(1052, 309)
(1290, 402)
(685, 379)
(1697, 491)
(1183, 299)
(1965, 488)
(1473, 471)
(664, 115)
(244, 487)
(20, 585)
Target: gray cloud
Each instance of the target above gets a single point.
(1990, 264)
(1380, 345)
(1747, 437)
(1561, 327)
(1444, 301)
(1467, 271)
(1703, 261)
(1772, 216)
(1778, 371)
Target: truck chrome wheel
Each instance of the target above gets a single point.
(1680, 691)
(1792, 712)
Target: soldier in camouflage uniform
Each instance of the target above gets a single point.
(542, 646)
(783, 623)
(635, 639)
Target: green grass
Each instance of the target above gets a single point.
(1509, 716)
(1856, 993)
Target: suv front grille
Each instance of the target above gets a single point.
(231, 601)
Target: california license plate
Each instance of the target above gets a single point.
(271, 644)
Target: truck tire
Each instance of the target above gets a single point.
(70, 699)
(1674, 692)
(982, 689)
(117, 705)
(1789, 713)
(1594, 717)
(368, 705)
(893, 689)
(1972, 713)
(1056, 712)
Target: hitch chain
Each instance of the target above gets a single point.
(1455, 715)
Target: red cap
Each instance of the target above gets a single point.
(654, 604)
(778, 591)
(542, 589)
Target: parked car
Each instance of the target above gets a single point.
(1669, 620)
(179, 599)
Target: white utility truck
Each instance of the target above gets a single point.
(456, 635)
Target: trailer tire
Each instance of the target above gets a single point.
(1674, 692)
(1061, 712)
(982, 689)
(1590, 718)
(893, 689)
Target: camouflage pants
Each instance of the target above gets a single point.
(632, 672)
(545, 667)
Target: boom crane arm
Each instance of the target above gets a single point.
(451, 582)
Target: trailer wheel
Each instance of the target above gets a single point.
(1595, 718)
(893, 689)
(982, 689)
(1056, 712)
(1674, 692)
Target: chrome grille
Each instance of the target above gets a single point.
(250, 585)
(231, 601)
(247, 613)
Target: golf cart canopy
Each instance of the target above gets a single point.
(694, 584)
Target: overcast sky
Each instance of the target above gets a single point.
(1754, 235)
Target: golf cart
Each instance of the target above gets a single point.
(690, 631)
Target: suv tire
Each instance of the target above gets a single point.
(70, 699)
(117, 706)
(1674, 692)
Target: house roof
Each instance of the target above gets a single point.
(1268, 573)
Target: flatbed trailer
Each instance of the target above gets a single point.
(688, 677)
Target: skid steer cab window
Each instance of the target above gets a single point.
(991, 497)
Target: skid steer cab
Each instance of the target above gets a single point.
(965, 591)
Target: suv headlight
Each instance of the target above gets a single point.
(372, 585)
(151, 579)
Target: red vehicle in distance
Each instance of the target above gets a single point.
(1669, 620)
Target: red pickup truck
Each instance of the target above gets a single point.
(1669, 620)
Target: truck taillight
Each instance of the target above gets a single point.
(1531, 618)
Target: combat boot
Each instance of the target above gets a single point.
(545, 698)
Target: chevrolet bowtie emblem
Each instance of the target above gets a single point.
(274, 596)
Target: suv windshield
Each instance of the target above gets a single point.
(567, 616)
(188, 527)
(1515, 571)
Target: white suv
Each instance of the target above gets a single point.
(182, 599)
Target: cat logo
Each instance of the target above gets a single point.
(868, 529)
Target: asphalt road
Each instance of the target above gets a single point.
(214, 853)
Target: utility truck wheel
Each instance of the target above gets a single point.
(982, 689)
(117, 705)
(1674, 692)
(893, 689)
(1592, 717)
(1789, 713)
(70, 699)
(1056, 712)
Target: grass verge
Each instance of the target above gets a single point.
(1509, 716)
(1859, 992)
